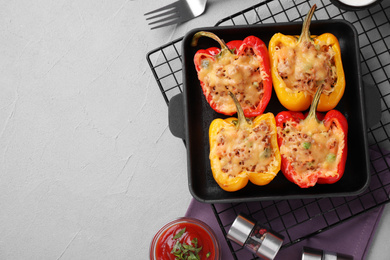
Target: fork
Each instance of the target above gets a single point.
(177, 12)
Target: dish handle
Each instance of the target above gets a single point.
(176, 116)
(372, 100)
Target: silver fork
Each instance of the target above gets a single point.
(177, 12)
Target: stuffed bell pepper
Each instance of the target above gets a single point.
(313, 148)
(243, 149)
(299, 65)
(241, 67)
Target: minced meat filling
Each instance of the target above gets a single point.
(307, 66)
(240, 150)
(239, 74)
(312, 149)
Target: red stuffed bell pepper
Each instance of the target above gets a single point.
(241, 67)
(313, 148)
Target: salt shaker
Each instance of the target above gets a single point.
(257, 238)
(309, 253)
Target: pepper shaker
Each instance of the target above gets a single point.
(309, 253)
(257, 238)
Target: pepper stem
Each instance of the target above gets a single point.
(314, 104)
(211, 35)
(305, 33)
(240, 113)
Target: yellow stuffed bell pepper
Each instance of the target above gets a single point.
(243, 150)
(299, 65)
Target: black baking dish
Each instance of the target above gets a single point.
(190, 116)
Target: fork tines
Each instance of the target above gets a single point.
(168, 14)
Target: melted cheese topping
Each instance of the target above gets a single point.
(306, 66)
(239, 74)
(311, 148)
(245, 150)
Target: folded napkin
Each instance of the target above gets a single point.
(352, 237)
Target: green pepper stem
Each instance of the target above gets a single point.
(314, 104)
(305, 33)
(240, 113)
(211, 35)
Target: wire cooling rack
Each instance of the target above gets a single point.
(298, 219)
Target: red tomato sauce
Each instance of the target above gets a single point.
(166, 242)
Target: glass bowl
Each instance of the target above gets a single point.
(354, 5)
(194, 228)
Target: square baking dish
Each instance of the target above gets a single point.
(190, 116)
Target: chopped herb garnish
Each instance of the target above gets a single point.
(180, 233)
(306, 145)
(331, 157)
(185, 251)
(266, 153)
(208, 254)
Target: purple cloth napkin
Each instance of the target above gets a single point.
(352, 237)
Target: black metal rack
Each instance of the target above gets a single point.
(288, 217)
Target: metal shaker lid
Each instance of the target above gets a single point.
(270, 246)
(240, 230)
(317, 254)
(311, 254)
(336, 256)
